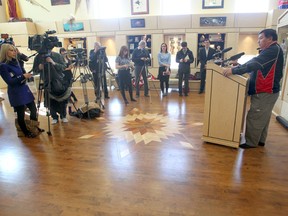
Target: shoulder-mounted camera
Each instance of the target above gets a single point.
(43, 44)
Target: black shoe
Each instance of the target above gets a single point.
(107, 97)
(261, 144)
(133, 100)
(40, 130)
(245, 146)
(186, 95)
(180, 95)
(30, 135)
(126, 102)
(147, 95)
(200, 92)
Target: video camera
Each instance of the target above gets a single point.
(6, 39)
(79, 53)
(43, 44)
(101, 51)
(79, 56)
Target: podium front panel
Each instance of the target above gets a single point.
(224, 111)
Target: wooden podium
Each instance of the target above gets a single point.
(225, 107)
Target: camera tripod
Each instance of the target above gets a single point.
(85, 75)
(43, 90)
(144, 70)
(100, 80)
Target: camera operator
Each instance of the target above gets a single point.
(19, 93)
(51, 66)
(97, 64)
(141, 57)
(68, 75)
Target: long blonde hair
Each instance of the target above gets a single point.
(4, 58)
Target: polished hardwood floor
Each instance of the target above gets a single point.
(146, 158)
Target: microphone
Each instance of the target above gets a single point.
(235, 57)
(222, 52)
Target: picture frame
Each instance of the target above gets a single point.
(137, 23)
(79, 26)
(139, 7)
(213, 21)
(59, 2)
(212, 4)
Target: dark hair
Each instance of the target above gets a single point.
(270, 33)
(165, 46)
(184, 44)
(121, 52)
(62, 50)
(206, 39)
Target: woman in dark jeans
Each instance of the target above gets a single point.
(164, 60)
(19, 93)
(123, 64)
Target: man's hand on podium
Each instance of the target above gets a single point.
(227, 72)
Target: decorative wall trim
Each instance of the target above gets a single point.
(212, 21)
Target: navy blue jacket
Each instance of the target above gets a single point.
(266, 70)
(184, 66)
(138, 54)
(203, 58)
(18, 92)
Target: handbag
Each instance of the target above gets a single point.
(32, 126)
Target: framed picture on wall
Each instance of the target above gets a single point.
(211, 4)
(139, 7)
(59, 2)
(137, 23)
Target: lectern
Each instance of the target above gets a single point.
(225, 107)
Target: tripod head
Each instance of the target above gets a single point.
(101, 52)
(84, 78)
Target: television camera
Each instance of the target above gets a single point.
(43, 44)
(79, 55)
(6, 39)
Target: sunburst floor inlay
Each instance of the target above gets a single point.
(146, 127)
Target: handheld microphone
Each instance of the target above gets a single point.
(235, 57)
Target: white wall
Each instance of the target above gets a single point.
(63, 12)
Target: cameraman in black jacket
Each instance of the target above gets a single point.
(97, 64)
(141, 57)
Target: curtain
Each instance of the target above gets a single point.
(12, 9)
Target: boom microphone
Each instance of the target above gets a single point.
(222, 52)
(235, 57)
(226, 50)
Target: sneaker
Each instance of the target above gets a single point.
(64, 120)
(54, 121)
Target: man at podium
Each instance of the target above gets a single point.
(266, 71)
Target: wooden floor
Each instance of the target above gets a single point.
(146, 158)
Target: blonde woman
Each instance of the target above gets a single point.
(19, 93)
